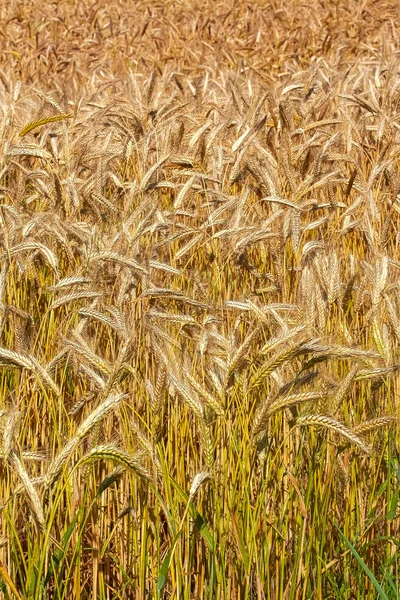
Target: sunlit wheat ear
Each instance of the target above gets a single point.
(81, 348)
(323, 353)
(157, 398)
(373, 424)
(3, 285)
(342, 390)
(30, 363)
(270, 408)
(393, 316)
(322, 308)
(378, 373)
(72, 297)
(382, 342)
(48, 255)
(172, 318)
(134, 462)
(57, 465)
(295, 348)
(102, 318)
(335, 426)
(114, 257)
(147, 446)
(198, 480)
(33, 498)
(239, 356)
(84, 372)
(326, 270)
(189, 397)
(281, 339)
(10, 424)
(209, 400)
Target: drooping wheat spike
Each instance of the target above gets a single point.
(379, 372)
(3, 283)
(348, 291)
(381, 341)
(324, 353)
(380, 278)
(67, 282)
(372, 424)
(211, 401)
(101, 317)
(260, 419)
(114, 257)
(281, 339)
(275, 405)
(82, 348)
(134, 462)
(146, 444)
(290, 352)
(239, 356)
(335, 426)
(152, 171)
(187, 395)
(393, 316)
(35, 247)
(30, 363)
(23, 329)
(33, 497)
(341, 391)
(172, 318)
(72, 296)
(159, 389)
(84, 371)
(151, 85)
(197, 482)
(99, 413)
(322, 308)
(35, 124)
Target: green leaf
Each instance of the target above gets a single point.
(369, 573)
(391, 514)
(109, 480)
(163, 574)
(59, 553)
(241, 544)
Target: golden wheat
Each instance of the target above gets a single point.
(208, 211)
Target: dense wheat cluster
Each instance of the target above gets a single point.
(199, 300)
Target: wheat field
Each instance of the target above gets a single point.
(199, 300)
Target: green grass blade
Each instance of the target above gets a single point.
(368, 572)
